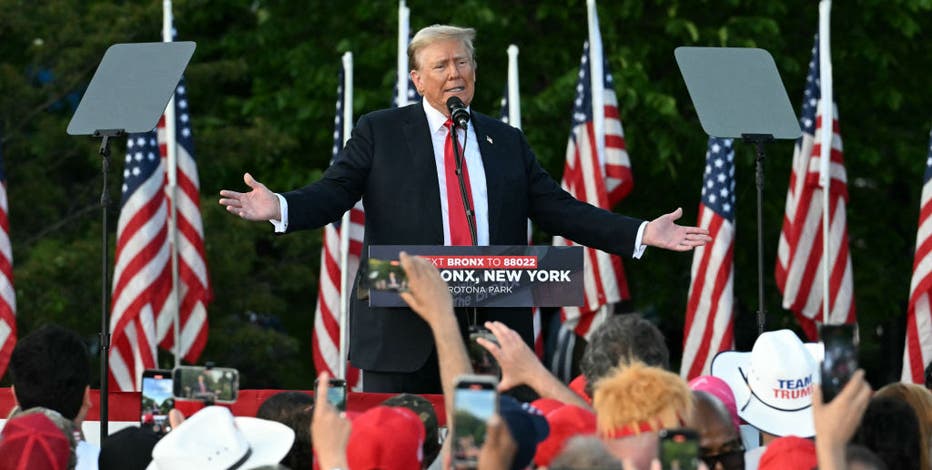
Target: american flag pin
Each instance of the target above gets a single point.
(489, 139)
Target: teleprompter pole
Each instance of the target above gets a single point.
(759, 140)
(105, 276)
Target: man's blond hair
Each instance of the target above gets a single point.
(638, 398)
(436, 33)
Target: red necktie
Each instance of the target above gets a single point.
(459, 225)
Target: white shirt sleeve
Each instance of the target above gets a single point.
(639, 248)
(282, 225)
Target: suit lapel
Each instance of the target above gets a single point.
(417, 136)
(491, 159)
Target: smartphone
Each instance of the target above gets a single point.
(386, 275)
(840, 358)
(475, 400)
(483, 363)
(210, 385)
(336, 393)
(679, 449)
(156, 400)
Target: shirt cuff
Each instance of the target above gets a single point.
(639, 248)
(282, 225)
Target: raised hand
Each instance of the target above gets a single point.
(663, 232)
(838, 420)
(427, 293)
(257, 205)
(518, 362)
(330, 430)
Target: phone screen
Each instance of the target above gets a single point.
(386, 275)
(336, 393)
(474, 402)
(156, 400)
(679, 449)
(840, 359)
(217, 384)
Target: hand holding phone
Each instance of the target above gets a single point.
(475, 400)
(679, 449)
(840, 358)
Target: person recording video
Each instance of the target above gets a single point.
(401, 162)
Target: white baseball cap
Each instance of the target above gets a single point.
(213, 439)
(773, 383)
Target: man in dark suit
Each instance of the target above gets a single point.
(400, 162)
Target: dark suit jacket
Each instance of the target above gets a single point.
(389, 162)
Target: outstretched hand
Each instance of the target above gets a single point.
(257, 205)
(663, 232)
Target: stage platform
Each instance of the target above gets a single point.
(123, 407)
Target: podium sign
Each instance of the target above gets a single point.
(487, 276)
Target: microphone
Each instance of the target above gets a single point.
(458, 111)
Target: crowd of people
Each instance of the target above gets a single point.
(761, 409)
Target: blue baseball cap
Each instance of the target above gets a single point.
(527, 425)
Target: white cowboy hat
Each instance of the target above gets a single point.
(213, 439)
(773, 383)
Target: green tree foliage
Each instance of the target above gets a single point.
(262, 88)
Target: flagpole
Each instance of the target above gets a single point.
(514, 97)
(171, 144)
(404, 29)
(825, 140)
(345, 224)
(596, 76)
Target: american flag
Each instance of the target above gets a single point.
(325, 342)
(7, 294)
(600, 180)
(535, 312)
(918, 351)
(710, 306)
(799, 254)
(193, 282)
(142, 280)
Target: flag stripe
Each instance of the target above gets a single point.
(917, 352)
(7, 293)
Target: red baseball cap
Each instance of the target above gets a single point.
(386, 438)
(565, 422)
(789, 452)
(33, 442)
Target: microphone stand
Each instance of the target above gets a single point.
(470, 213)
(458, 157)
